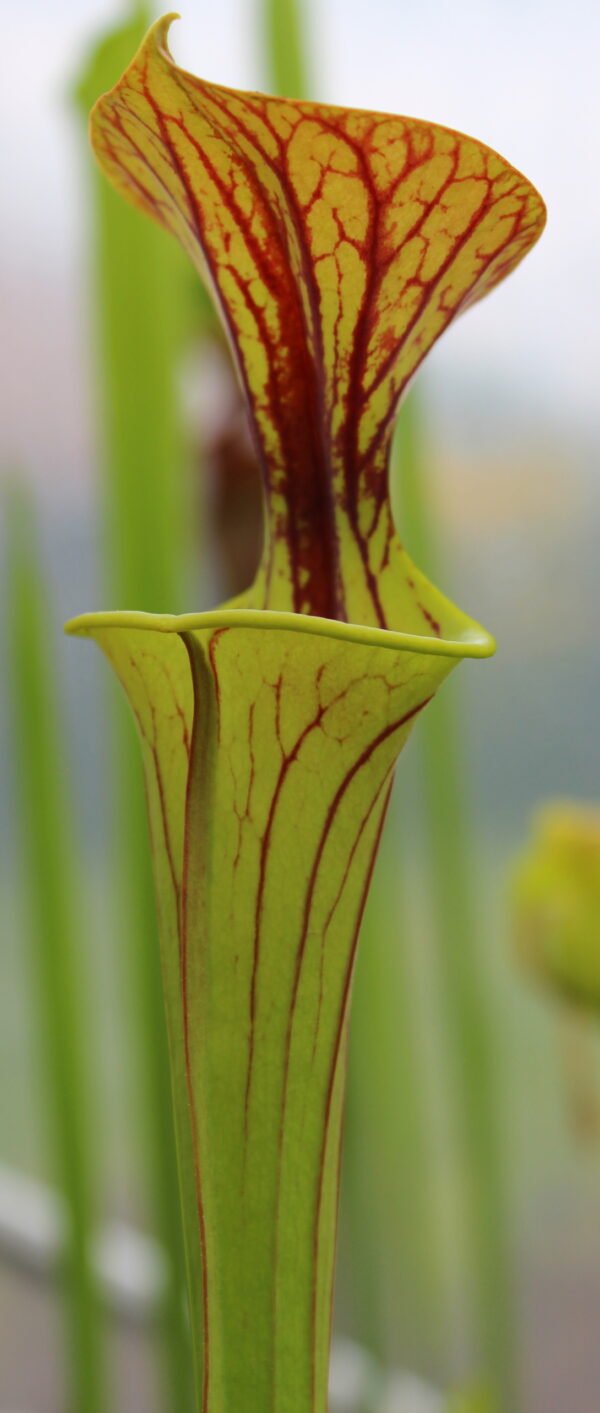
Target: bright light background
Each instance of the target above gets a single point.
(520, 74)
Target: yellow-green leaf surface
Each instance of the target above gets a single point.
(269, 754)
(338, 245)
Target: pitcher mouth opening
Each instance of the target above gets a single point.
(472, 642)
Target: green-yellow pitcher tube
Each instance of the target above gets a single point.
(338, 245)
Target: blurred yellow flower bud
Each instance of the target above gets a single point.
(556, 897)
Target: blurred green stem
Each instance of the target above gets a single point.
(53, 886)
(453, 851)
(286, 48)
(140, 284)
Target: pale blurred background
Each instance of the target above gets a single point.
(510, 400)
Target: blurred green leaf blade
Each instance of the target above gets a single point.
(56, 909)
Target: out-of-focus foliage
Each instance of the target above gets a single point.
(286, 48)
(472, 1401)
(140, 320)
(451, 847)
(55, 915)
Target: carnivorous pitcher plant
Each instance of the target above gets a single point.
(338, 246)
